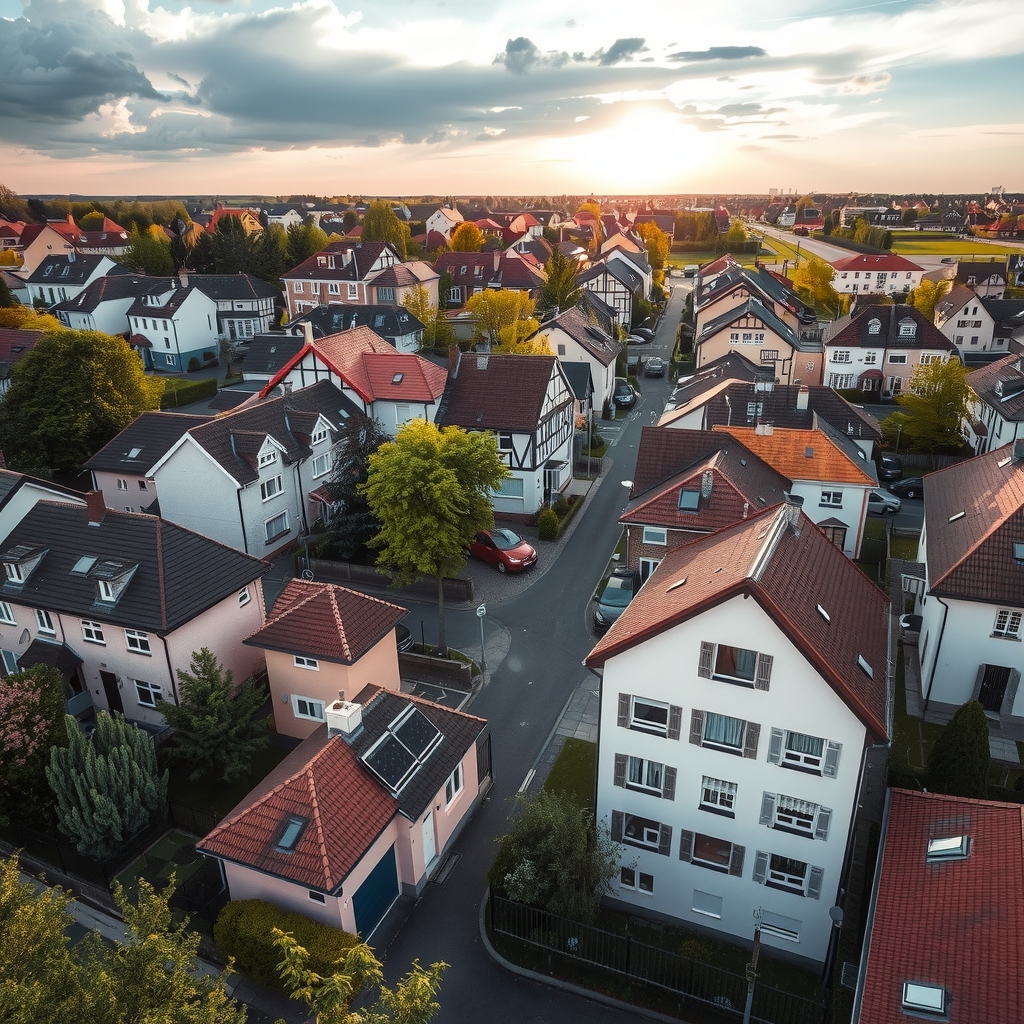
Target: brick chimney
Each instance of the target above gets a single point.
(307, 332)
(97, 507)
(802, 396)
(454, 360)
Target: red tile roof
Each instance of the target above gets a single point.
(957, 924)
(326, 621)
(787, 451)
(974, 513)
(789, 567)
(890, 261)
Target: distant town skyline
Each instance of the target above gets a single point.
(410, 97)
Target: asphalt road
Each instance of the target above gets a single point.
(549, 636)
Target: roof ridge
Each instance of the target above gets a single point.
(776, 531)
(342, 634)
(314, 804)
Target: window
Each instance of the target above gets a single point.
(44, 622)
(107, 591)
(655, 535)
(333, 288)
(907, 328)
(735, 665)
(707, 904)
(7, 614)
(841, 356)
(1007, 624)
(831, 499)
(769, 355)
(311, 663)
(930, 357)
(630, 878)
(385, 294)
(321, 465)
(561, 350)
(455, 294)
(276, 527)
(839, 381)
(122, 484)
(951, 848)
(297, 286)
(244, 597)
(136, 641)
(870, 358)
(647, 715)
(267, 458)
(290, 834)
(734, 337)
(642, 773)
(147, 693)
(689, 501)
(810, 754)
(453, 787)
(786, 873)
(720, 732)
(779, 926)
(353, 291)
(270, 488)
(10, 660)
(504, 441)
(711, 852)
(800, 817)
(319, 435)
(317, 897)
(647, 566)
(920, 997)
(312, 710)
(897, 357)
(169, 359)
(718, 796)
(511, 487)
(143, 486)
(92, 632)
(642, 832)
(748, 336)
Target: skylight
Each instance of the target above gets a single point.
(956, 515)
(290, 836)
(397, 379)
(924, 998)
(865, 667)
(83, 565)
(824, 614)
(1003, 463)
(134, 453)
(678, 583)
(689, 501)
(1018, 552)
(949, 848)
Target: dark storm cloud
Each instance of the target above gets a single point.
(719, 53)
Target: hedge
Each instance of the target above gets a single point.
(849, 243)
(751, 246)
(243, 931)
(180, 391)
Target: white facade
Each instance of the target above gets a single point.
(56, 288)
(825, 503)
(972, 329)
(724, 842)
(444, 221)
(642, 269)
(846, 366)
(110, 316)
(186, 332)
(876, 282)
(568, 349)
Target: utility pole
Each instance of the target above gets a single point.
(752, 966)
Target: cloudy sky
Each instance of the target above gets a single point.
(495, 96)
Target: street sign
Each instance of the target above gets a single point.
(481, 611)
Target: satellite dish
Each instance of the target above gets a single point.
(307, 574)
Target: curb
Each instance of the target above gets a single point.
(566, 986)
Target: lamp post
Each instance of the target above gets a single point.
(481, 611)
(752, 966)
(899, 431)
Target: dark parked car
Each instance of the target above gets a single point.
(503, 548)
(911, 487)
(624, 396)
(889, 467)
(643, 332)
(403, 637)
(617, 593)
(654, 367)
(800, 230)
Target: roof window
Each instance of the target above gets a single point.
(824, 614)
(1018, 552)
(865, 667)
(874, 327)
(134, 453)
(949, 848)
(291, 834)
(397, 379)
(956, 515)
(920, 997)
(689, 501)
(83, 565)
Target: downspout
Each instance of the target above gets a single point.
(938, 648)
(241, 519)
(170, 670)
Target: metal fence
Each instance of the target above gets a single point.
(191, 819)
(672, 972)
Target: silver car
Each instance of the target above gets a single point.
(881, 503)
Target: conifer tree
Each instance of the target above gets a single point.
(959, 762)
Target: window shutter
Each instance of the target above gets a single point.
(685, 845)
(1011, 692)
(832, 752)
(736, 860)
(760, 867)
(668, 791)
(616, 826)
(822, 823)
(696, 726)
(620, 770)
(978, 679)
(623, 710)
(750, 740)
(675, 721)
(764, 671)
(775, 746)
(814, 883)
(707, 655)
(767, 809)
(665, 840)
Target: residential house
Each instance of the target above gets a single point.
(849, 215)
(63, 276)
(730, 776)
(947, 866)
(10, 234)
(249, 219)
(831, 475)
(536, 251)
(444, 221)
(122, 470)
(617, 284)
(474, 272)
(284, 214)
(972, 549)
(120, 601)
(395, 324)
(245, 304)
(20, 492)
(391, 387)
(621, 238)
(635, 261)
(581, 382)
(947, 220)
(103, 304)
(665, 220)
(979, 324)
(60, 237)
(255, 467)
(574, 338)
(888, 274)
(14, 346)
(878, 347)
(364, 810)
(753, 328)
(266, 354)
(690, 483)
(987, 278)
(527, 402)
(998, 408)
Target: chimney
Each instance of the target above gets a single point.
(706, 482)
(764, 429)
(97, 507)
(791, 511)
(454, 360)
(802, 397)
(746, 509)
(307, 332)
(344, 719)
(1018, 451)
(183, 277)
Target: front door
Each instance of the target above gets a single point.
(112, 692)
(429, 841)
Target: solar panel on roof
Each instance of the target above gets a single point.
(417, 733)
(391, 761)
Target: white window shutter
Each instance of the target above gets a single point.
(753, 731)
(763, 675)
(778, 737)
(822, 823)
(685, 845)
(831, 766)
(675, 721)
(767, 809)
(707, 656)
(665, 840)
(620, 770)
(623, 718)
(814, 883)
(760, 867)
(696, 726)
(668, 791)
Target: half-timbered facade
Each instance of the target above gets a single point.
(617, 284)
(526, 401)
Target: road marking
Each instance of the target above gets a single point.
(526, 782)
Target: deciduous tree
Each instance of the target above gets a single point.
(215, 729)
(927, 294)
(304, 240)
(560, 290)
(381, 224)
(467, 237)
(502, 316)
(25, 318)
(960, 760)
(270, 256)
(430, 491)
(595, 210)
(657, 243)
(909, 216)
(437, 330)
(148, 253)
(813, 280)
(934, 409)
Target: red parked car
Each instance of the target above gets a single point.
(503, 548)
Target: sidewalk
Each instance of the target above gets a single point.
(580, 718)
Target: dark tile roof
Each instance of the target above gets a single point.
(1001, 385)
(752, 307)
(233, 286)
(363, 257)
(58, 269)
(951, 924)
(858, 331)
(956, 298)
(14, 346)
(789, 567)
(180, 573)
(594, 306)
(267, 353)
(496, 392)
(11, 483)
(1007, 313)
(716, 375)
(974, 513)
(106, 289)
(589, 336)
(982, 271)
(403, 275)
(144, 442)
(389, 322)
(580, 379)
(617, 269)
(326, 621)
(759, 282)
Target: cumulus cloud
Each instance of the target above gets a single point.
(620, 50)
(522, 54)
(718, 53)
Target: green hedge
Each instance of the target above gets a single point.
(849, 243)
(243, 930)
(180, 391)
(751, 246)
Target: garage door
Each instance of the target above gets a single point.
(374, 897)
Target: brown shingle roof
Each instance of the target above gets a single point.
(326, 621)
(785, 563)
(592, 338)
(802, 455)
(1005, 375)
(857, 331)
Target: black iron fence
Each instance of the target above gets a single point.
(191, 819)
(672, 972)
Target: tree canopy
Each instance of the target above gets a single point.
(467, 237)
(233, 247)
(656, 242)
(69, 396)
(560, 290)
(926, 295)
(813, 281)
(960, 760)
(148, 252)
(381, 224)
(304, 240)
(437, 330)
(595, 210)
(502, 317)
(933, 410)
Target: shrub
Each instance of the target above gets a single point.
(194, 364)
(547, 524)
(208, 357)
(244, 930)
(561, 507)
(959, 762)
(181, 391)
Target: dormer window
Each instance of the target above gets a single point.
(13, 572)
(874, 327)
(907, 328)
(107, 591)
(319, 435)
(268, 457)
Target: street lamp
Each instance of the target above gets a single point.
(899, 431)
(481, 611)
(752, 966)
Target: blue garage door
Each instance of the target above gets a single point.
(375, 896)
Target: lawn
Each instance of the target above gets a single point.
(925, 243)
(575, 772)
(903, 547)
(685, 259)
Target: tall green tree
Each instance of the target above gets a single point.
(412, 1001)
(656, 242)
(467, 237)
(202, 257)
(233, 247)
(909, 217)
(934, 409)
(560, 290)
(437, 330)
(960, 760)
(148, 253)
(69, 396)
(813, 281)
(381, 224)
(216, 732)
(6, 298)
(107, 787)
(430, 490)
(502, 317)
(270, 255)
(926, 295)
(304, 240)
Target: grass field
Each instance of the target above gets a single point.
(574, 772)
(683, 259)
(924, 243)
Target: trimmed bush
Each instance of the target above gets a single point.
(243, 930)
(194, 364)
(179, 391)
(547, 524)
(561, 507)
(959, 762)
